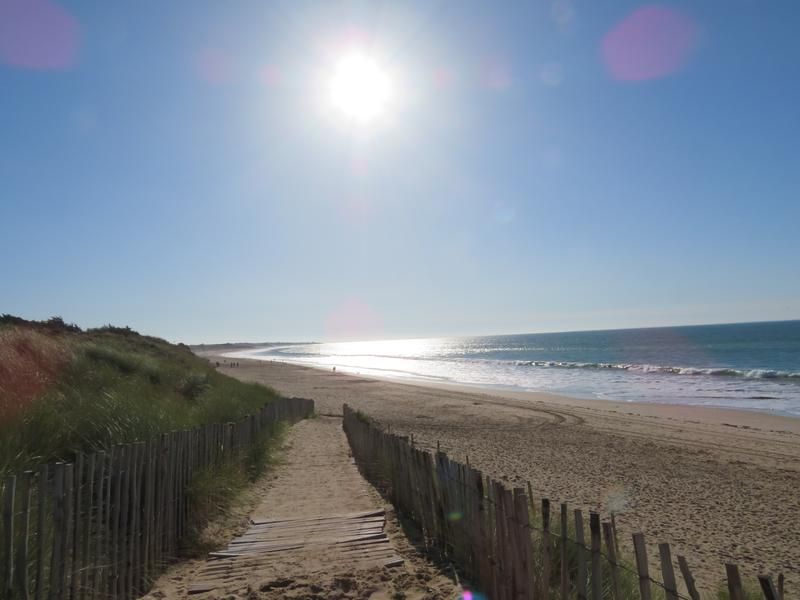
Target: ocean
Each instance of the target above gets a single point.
(751, 366)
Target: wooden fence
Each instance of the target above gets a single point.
(509, 547)
(106, 525)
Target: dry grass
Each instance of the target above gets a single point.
(65, 391)
(30, 363)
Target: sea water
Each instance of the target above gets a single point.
(753, 366)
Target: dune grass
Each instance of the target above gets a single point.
(215, 491)
(64, 391)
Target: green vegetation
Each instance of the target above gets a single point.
(363, 417)
(215, 491)
(64, 391)
(626, 572)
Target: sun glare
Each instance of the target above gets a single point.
(360, 88)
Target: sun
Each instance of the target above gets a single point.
(360, 88)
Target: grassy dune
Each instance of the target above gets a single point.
(63, 390)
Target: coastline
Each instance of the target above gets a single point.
(707, 414)
(718, 484)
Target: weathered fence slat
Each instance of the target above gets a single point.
(564, 564)
(688, 578)
(580, 553)
(545, 589)
(611, 549)
(75, 546)
(597, 577)
(41, 509)
(640, 551)
(768, 587)
(735, 588)
(59, 523)
(107, 523)
(23, 541)
(668, 572)
(9, 495)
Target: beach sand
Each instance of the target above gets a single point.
(719, 485)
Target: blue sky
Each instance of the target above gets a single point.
(177, 167)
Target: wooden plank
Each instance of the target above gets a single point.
(580, 556)
(9, 495)
(320, 525)
(23, 539)
(640, 551)
(201, 588)
(355, 515)
(667, 572)
(735, 588)
(688, 578)
(42, 493)
(768, 587)
(304, 542)
(597, 577)
(608, 534)
(323, 536)
(312, 529)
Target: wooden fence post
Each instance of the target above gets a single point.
(23, 542)
(41, 508)
(597, 577)
(608, 534)
(75, 545)
(57, 556)
(735, 588)
(564, 565)
(640, 550)
(9, 494)
(768, 587)
(688, 578)
(86, 534)
(668, 572)
(69, 517)
(545, 589)
(580, 552)
(101, 530)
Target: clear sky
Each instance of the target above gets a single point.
(180, 167)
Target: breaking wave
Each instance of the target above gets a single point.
(670, 370)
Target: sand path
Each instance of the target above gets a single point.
(718, 485)
(317, 478)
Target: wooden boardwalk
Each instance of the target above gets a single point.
(356, 539)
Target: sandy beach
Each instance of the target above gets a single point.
(719, 485)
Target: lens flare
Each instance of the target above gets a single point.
(652, 42)
(37, 34)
